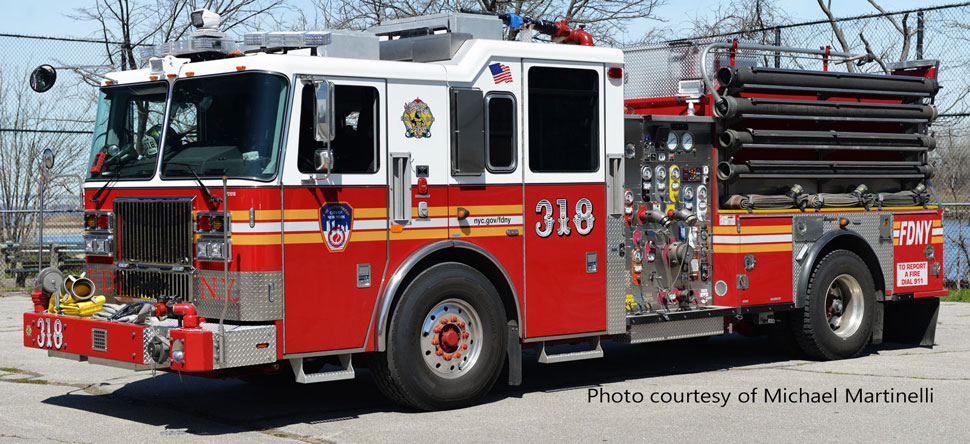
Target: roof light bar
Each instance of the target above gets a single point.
(281, 39)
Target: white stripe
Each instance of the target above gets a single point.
(259, 227)
(752, 239)
(370, 224)
(938, 231)
(297, 226)
(895, 233)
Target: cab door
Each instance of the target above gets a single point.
(565, 190)
(485, 183)
(335, 227)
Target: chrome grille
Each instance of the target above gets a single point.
(154, 284)
(154, 231)
(99, 339)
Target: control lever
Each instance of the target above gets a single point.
(653, 216)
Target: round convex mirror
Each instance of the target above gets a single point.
(43, 78)
(48, 158)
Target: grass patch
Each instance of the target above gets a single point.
(32, 381)
(281, 435)
(11, 370)
(962, 295)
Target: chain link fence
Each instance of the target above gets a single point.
(61, 119)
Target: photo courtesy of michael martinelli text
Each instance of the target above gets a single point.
(764, 395)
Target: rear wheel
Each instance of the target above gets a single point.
(836, 320)
(445, 346)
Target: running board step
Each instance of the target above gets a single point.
(346, 371)
(595, 352)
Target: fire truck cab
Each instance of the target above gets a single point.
(433, 198)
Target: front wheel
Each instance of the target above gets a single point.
(836, 320)
(445, 346)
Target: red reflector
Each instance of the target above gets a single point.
(615, 73)
(103, 221)
(205, 223)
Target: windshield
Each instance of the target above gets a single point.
(229, 125)
(127, 131)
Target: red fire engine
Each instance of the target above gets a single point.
(432, 198)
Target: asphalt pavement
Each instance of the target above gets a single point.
(727, 389)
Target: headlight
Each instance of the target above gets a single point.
(98, 245)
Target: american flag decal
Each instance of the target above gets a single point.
(500, 73)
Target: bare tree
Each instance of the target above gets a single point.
(750, 20)
(20, 153)
(605, 19)
(132, 23)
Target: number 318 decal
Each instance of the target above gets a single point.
(583, 219)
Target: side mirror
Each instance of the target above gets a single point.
(43, 78)
(48, 158)
(323, 118)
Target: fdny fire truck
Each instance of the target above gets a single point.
(429, 198)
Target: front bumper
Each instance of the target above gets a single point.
(129, 345)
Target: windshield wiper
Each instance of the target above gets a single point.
(97, 196)
(205, 191)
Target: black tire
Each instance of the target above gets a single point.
(402, 373)
(811, 325)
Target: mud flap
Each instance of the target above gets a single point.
(878, 322)
(515, 354)
(912, 321)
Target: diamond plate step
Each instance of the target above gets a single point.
(547, 358)
(345, 372)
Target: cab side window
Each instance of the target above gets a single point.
(356, 139)
(500, 149)
(563, 120)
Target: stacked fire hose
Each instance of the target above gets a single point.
(795, 197)
(75, 296)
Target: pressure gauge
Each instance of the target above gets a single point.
(687, 141)
(637, 255)
(646, 173)
(672, 141)
(628, 197)
(688, 193)
(660, 172)
(702, 193)
(662, 157)
(674, 173)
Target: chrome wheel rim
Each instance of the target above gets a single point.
(844, 305)
(451, 338)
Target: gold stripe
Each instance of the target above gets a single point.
(937, 240)
(824, 210)
(256, 239)
(766, 229)
(751, 248)
(484, 231)
(370, 213)
(303, 238)
(409, 234)
(896, 225)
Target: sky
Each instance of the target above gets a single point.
(50, 17)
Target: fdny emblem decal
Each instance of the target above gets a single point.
(336, 220)
(417, 119)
